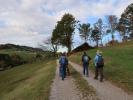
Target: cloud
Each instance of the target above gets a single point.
(28, 22)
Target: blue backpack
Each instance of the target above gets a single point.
(63, 61)
(85, 59)
(100, 61)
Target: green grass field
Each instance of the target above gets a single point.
(118, 64)
(28, 81)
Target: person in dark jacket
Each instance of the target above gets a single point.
(85, 61)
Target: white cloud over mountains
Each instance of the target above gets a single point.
(28, 22)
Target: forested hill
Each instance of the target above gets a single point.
(18, 47)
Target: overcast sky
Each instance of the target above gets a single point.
(29, 22)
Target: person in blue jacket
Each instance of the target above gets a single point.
(99, 64)
(63, 61)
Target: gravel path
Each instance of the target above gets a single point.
(63, 90)
(105, 90)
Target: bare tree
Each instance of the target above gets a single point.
(48, 45)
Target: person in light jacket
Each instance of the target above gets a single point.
(99, 64)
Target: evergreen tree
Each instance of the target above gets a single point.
(125, 25)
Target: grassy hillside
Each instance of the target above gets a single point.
(118, 64)
(27, 82)
(19, 47)
(25, 55)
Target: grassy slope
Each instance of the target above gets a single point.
(25, 55)
(27, 82)
(118, 64)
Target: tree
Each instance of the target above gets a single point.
(112, 22)
(95, 35)
(100, 27)
(55, 39)
(50, 45)
(122, 27)
(54, 45)
(66, 27)
(84, 31)
(125, 25)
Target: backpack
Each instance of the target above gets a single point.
(85, 59)
(100, 61)
(63, 61)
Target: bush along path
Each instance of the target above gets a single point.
(105, 90)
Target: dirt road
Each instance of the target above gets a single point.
(64, 90)
(105, 90)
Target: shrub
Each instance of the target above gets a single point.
(16, 60)
(5, 61)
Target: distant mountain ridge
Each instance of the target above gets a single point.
(18, 47)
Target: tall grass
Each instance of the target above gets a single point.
(27, 82)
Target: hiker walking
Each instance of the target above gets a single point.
(99, 63)
(85, 61)
(63, 63)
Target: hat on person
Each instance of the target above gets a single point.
(99, 52)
